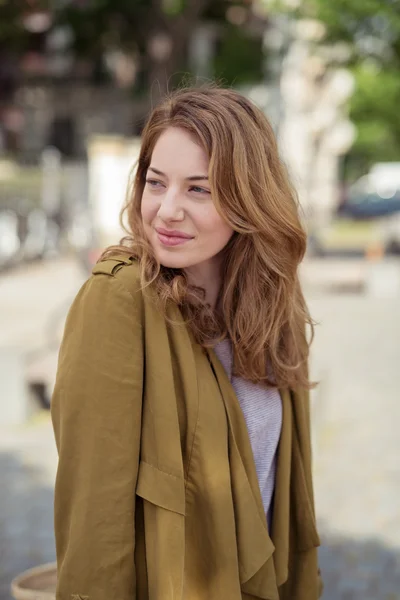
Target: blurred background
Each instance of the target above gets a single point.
(77, 80)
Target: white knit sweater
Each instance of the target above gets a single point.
(262, 410)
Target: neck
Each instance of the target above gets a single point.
(208, 277)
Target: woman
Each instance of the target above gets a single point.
(181, 404)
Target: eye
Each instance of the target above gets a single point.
(154, 183)
(199, 190)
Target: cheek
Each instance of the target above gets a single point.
(215, 235)
(215, 226)
(146, 210)
(224, 234)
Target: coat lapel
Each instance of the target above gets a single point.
(303, 513)
(255, 547)
(281, 506)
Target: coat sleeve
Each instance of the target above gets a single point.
(96, 412)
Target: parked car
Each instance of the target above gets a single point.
(376, 194)
(370, 205)
(368, 219)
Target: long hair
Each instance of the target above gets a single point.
(261, 307)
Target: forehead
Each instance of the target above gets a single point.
(176, 152)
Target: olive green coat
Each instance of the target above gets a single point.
(157, 495)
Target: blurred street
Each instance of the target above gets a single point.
(356, 358)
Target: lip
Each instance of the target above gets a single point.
(173, 233)
(172, 237)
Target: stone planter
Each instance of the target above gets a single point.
(36, 584)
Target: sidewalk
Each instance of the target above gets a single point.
(27, 471)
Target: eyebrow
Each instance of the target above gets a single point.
(191, 178)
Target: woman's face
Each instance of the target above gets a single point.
(179, 216)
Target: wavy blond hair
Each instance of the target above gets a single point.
(261, 307)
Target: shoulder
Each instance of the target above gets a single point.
(122, 269)
(111, 295)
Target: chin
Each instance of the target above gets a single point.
(172, 261)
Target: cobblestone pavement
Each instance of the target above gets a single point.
(356, 358)
(27, 470)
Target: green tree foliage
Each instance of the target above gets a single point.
(130, 24)
(239, 59)
(99, 26)
(372, 27)
(372, 30)
(374, 109)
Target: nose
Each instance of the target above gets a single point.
(171, 208)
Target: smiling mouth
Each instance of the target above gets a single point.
(173, 238)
